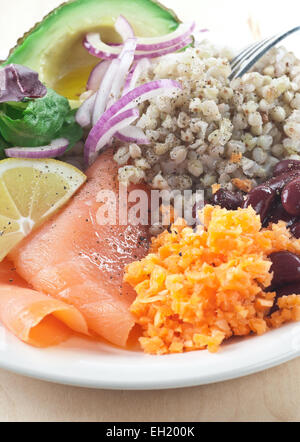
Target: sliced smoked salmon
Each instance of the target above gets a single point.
(78, 261)
(34, 317)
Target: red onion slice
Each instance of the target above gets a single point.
(55, 149)
(130, 100)
(103, 93)
(126, 59)
(95, 46)
(132, 134)
(97, 75)
(184, 31)
(146, 47)
(98, 49)
(182, 44)
(127, 85)
(85, 112)
(124, 28)
(143, 93)
(140, 94)
(101, 134)
(140, 67)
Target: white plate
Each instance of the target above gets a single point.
(98, 365)
(88, 364)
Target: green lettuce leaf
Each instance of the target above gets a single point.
(3, 145)
(38, 122)
(70, 130)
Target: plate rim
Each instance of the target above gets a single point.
(130, 386)
(69, 378)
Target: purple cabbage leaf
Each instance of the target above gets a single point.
(18, 82)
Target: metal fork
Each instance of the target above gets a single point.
(245, 60)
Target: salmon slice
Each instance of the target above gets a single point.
(80, 262)
(34, 317)
(9, 275)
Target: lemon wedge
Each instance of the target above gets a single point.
(30, 192)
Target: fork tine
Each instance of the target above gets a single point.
(247, 60)
(250, 57)
(247, 51)
(256, 49)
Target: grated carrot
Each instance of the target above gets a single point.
(196, 289)
(244, 185)
(215, 188)
(236, 157)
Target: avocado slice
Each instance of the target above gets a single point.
(54, 48)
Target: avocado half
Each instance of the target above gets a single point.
(54, 48)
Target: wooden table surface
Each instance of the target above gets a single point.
(273, 395)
